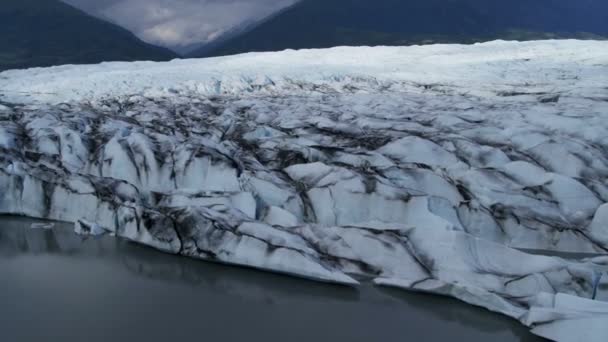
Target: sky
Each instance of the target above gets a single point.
(180, 24)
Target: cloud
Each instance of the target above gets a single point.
(179, 24)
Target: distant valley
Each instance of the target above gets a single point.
(39, 33)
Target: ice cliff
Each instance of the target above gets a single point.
(423, 168)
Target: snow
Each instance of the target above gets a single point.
(420, 168)
(337, 69)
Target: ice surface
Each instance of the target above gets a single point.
(418, 167)
(570, 319)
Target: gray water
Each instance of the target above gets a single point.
(56, 286)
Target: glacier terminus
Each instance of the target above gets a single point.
(467, 171)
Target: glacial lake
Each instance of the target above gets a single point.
(57, 286)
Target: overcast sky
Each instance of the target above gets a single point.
(180, 23)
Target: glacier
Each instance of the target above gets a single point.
(427, 168)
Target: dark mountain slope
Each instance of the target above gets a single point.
(326, 23)
(50, 32)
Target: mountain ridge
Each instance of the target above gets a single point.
(34, 34)
(321, 24)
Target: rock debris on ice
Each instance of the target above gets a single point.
(418, 167)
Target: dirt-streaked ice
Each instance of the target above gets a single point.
(417, 167)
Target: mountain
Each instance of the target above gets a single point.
(326, 23)
(204, 48)
(49, 32)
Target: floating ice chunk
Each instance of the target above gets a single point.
(42, 225)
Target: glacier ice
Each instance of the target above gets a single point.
(422, 168)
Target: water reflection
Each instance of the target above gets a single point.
(140, 292)
(16, 240)
(452, 310)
